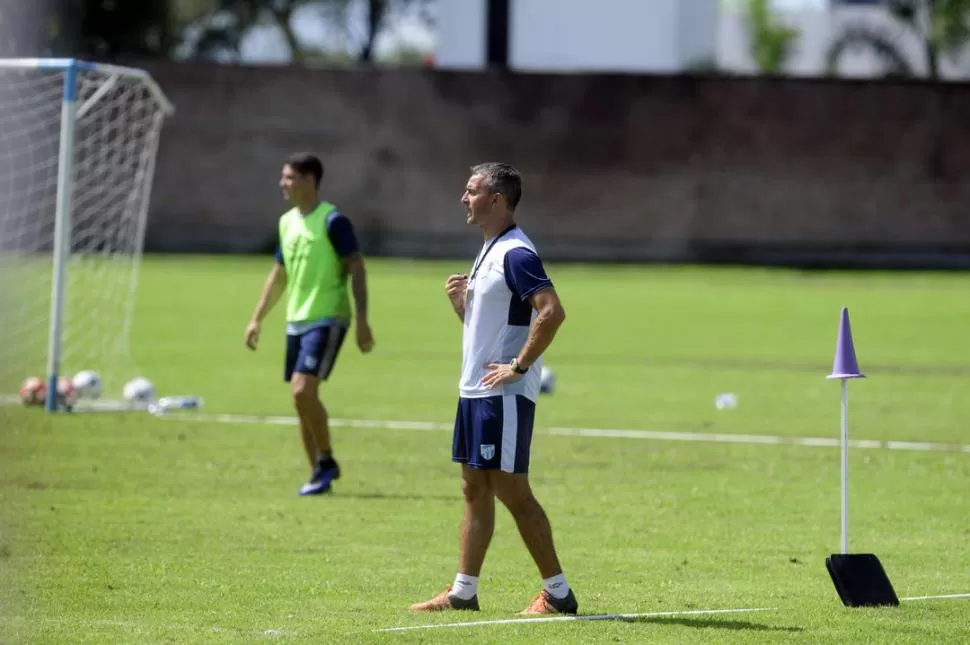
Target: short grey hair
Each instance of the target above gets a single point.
(503, 179)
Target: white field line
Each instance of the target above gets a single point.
(942, 597)
(551, 619)
(599, 433)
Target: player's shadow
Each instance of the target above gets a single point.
(413, 497)
(707, 623)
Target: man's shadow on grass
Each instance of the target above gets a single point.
(707, 623)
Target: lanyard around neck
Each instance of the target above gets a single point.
(487, 249)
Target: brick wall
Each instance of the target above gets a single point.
(615, 167)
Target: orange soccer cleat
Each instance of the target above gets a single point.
(546, 603)
(443, 601)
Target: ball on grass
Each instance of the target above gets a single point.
(547, 380)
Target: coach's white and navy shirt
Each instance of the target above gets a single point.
(498, 313)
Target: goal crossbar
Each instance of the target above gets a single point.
(67, 64)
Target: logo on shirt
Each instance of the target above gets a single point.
(488, 451)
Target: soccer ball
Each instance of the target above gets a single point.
(139, 389)
(33, 391)
(66, 394)
(547, 380)
(87, 384)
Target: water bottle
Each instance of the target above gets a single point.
(168, 403)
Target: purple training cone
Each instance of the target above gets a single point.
(845, 365)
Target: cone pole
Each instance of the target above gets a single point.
(859, 578)
(845, 367)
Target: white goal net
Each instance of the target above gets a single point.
(103, 161)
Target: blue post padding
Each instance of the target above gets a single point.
(51, 401)
(70, 81)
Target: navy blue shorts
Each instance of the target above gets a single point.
(313, 352)
(494, 433)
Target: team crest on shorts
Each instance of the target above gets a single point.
(488, 451)
(310, 362)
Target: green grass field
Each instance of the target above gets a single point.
(133, 529)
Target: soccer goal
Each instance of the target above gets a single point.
(78, 144)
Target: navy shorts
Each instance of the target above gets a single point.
(494, 433)
(314, 351)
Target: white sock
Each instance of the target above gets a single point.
(465, 587)
(556, 586)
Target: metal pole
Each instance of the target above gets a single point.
(62, 230)
(845, 465)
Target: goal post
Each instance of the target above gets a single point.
(78, 146)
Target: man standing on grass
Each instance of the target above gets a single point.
(317, 251)
(511, 313)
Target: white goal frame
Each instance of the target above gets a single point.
(70, 110)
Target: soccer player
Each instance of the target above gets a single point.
(511, 313)
(317, 251)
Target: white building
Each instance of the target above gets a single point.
(664, 36)
(568, 35)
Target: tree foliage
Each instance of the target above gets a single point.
(112, 29)
(942, 26)
(230, 20)
(102, 29)
(772, 42)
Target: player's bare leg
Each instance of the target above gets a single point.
(478, 523)
(477, 527)
(516, 494)
(315, 428)
(300, 385)
(309, 444)
(313, 415)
